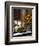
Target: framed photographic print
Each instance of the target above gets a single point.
(21, 22)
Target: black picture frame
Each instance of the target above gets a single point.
(7, 4)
